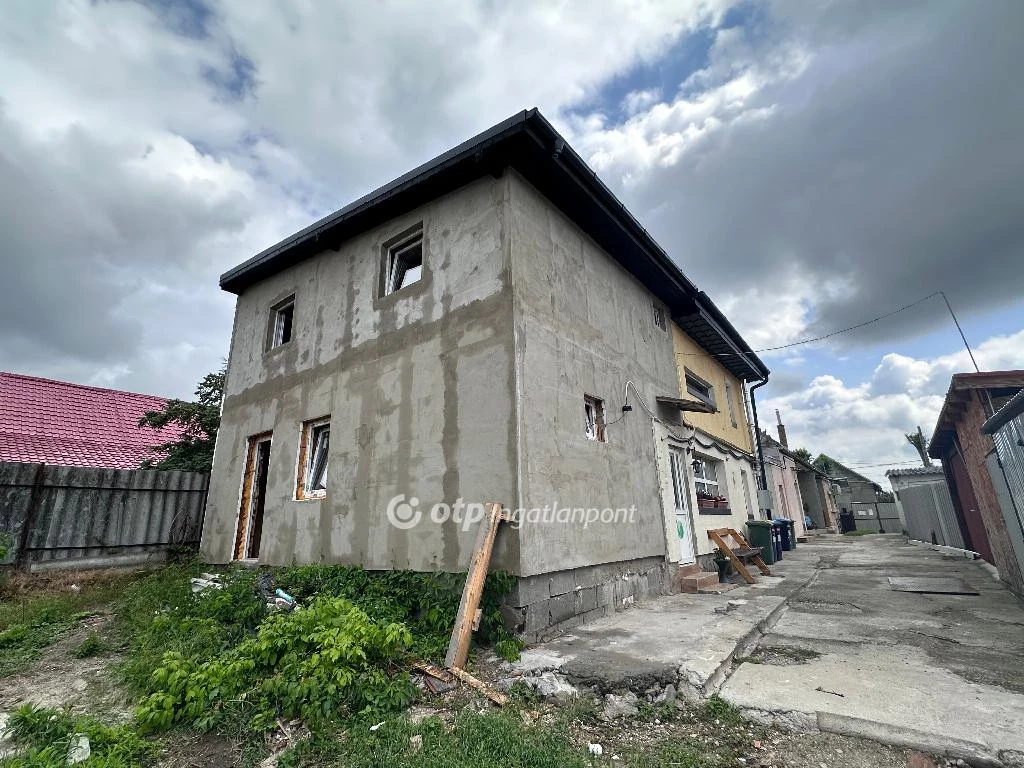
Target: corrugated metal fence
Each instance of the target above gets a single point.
(52, 513)
(930, 515)
(1009, 440)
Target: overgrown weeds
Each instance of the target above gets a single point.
(45, 737)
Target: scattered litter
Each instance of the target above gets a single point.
(79, 749)
(206, 581)
(75, 588)
(378, 726)
(595, 749)
(284, 595)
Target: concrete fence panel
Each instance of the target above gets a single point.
(54, 515)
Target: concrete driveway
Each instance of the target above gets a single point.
(939, 672)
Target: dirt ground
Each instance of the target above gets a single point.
(58, 680)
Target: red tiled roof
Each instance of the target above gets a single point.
(55, 422)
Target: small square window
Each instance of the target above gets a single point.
(728, 400)
(404, 264)
(313, 453)
(700, 389)
(282, 318)
(593, 408)
(659, 316)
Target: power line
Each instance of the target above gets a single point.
(826, 336)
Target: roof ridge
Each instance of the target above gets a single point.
(82, 386)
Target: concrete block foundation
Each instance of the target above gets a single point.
(544, 605)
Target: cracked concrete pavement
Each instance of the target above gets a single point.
(942, 673)
(689, 640)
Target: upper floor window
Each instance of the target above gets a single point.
(593, 409)
(699, 388)
(659, 316)
(728, 400)
(404, 264)
(313, 452)
(282, 317)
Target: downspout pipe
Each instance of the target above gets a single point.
(757, 432)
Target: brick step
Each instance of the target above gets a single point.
(689, 570)
(717, 588)
(696, 582)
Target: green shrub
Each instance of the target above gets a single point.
(318, 663)
(425, 602)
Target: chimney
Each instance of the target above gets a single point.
(782, 430)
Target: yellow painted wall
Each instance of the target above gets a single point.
(690, 355)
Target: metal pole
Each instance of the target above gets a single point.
(957, 323)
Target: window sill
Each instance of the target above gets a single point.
(311, 498)
(714, 511)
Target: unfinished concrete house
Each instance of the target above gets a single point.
(469, 332)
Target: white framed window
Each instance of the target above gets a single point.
(314, 450)
(593, 409)
(282, 320)
(404, 264)
(728, 400)
(705, 476)
(699, 388)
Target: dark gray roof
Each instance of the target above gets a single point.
(914, 471)
(528, 143)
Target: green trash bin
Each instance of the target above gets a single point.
(759, 534)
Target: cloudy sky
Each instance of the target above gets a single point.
(809, 165)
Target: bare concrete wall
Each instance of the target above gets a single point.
(419, 386)
(583, 325)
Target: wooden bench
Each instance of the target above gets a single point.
(739, 552)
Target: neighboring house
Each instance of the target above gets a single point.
(56, 422)
(925, 507)
(470, 332)
(717, 458)
(963, 449)
(856, 497)
(817, 494)
(1006, 468)
(782, 468)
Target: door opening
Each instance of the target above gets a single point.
(684, 525)
(254, 492)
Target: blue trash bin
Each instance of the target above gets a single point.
(777, 539)
(787, 531)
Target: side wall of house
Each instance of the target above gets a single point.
(583, 326)
(419, 387)
(731, 426)
(976, 447)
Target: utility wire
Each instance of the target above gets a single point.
(818, 338)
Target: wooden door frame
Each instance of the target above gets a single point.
(243, 520)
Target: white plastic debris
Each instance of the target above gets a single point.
(201, 584)
(79, 749)
(595, 749)
(378, 726)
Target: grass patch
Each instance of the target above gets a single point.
(719, 709)
(34, 614)
(44, 736)
(93, 645)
